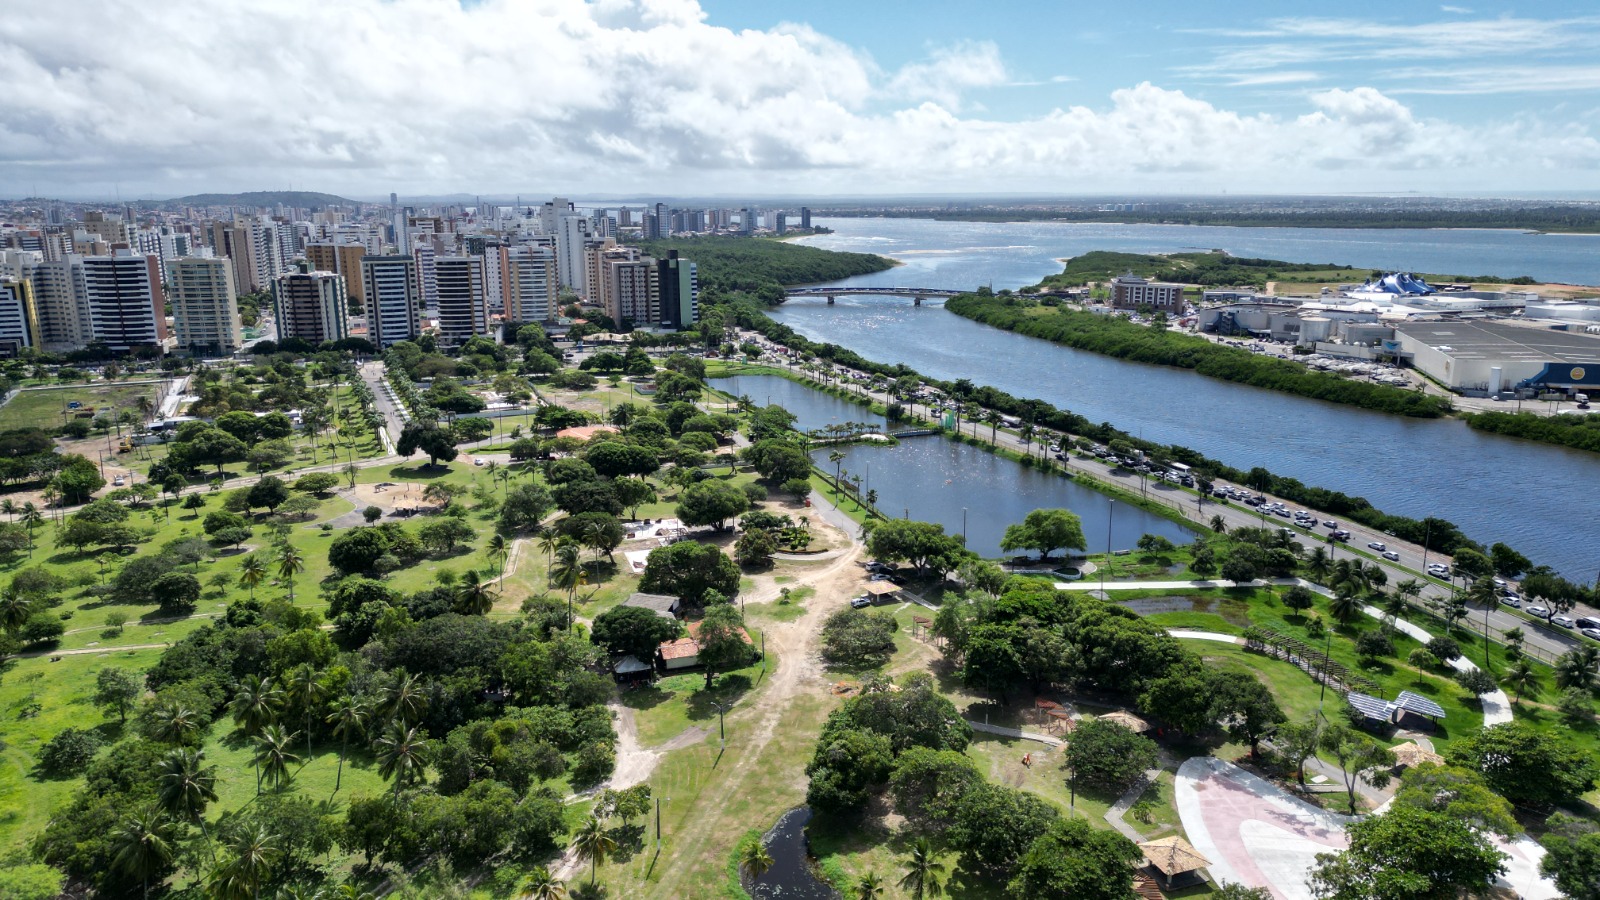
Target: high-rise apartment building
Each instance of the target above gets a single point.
(394, 305)
(633, 292)
(680, 291)
(125, 301)
(205, 307)
(61, 299)
(805, 217)
(311, 306)
(780, 222)
(107, 227)
(532, 291)
(19, 321)
(343, 259)
(463, 310)
(571, 232)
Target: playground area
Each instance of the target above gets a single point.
(404, 498)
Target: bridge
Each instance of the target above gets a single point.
(916, 294)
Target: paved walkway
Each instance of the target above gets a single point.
(1001, 730)
(1087, 585)
(1205, 636)
(1496, 705)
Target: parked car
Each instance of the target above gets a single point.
(1379, 546)
(1561, 621)
(1512, 602)
(860, 603)
(1539, 611)
(1591, 633)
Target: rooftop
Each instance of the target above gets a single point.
(1495, 340)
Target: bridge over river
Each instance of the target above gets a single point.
(916, 294)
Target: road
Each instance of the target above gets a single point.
(383, 398)
(1543, 640)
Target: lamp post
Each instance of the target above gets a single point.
(963, 526)
(1111, 509)
(1327, 647)
(658, 823)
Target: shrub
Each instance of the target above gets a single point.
(1444, 648)
(68, 753)
(1422, 658)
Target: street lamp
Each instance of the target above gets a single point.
(1111, 509)
(1327, 647)
(963, 526)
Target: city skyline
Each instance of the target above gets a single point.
(659, 97)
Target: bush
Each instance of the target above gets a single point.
(1476, 682)
(1444, 649)
(755, 492)
(372, 514)
(69, 753)
(1576, 706)
(1372, 644)
(799, 487)
(41, 628)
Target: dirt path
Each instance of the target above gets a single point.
(799, 670)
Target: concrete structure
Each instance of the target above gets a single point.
(1481, 357)
(463, 309)
(532, 291)
(205, 307)
(344, 259)
(59, 297)
(310, 306)
(663, 605)
(805, 217)
(680, 292)
(632, 289)
(394, 308)
(571, 231)
(1132, 292)
(19, 319)
(127, 309)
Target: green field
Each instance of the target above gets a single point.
(46, 407)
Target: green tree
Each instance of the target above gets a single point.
(690, 570)
(868, 886)
(1072, 861)
(402, 755)
(924, 873)
(1108, 756)
(712, 502)
(633, 630)
(290, 564)
(1359, 759)
(1572, 856)
(145, 846)
(117, 690)
(1408, 854)
(252, 571)
(1045, 530)
(273, 755)
(349, 720)
(186, 786)
(593, 843)
(1526, 766)
(1458, 793)
(724, 646)
(754, 860)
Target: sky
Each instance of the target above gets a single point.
(105, 98)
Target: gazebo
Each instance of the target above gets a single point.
(1127, 720)
(1411, 754)
(1060, 718)
(1042, 706)
(1173, 857)
(882, 588)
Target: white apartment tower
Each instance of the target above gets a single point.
(463, 309)
(126, 305)
(19, 322)
(531, 289)
(205, 308)
(393, 305)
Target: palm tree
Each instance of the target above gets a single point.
(1344, 606)
(404, 701)
(273, 756)
(593, 843)
(869, 887)
(9, 507)
(255, 853)
(402, 755)
(290, 564)
(754, 860)
(14, 609)
(499, 549)
(187, 786)
(1394, 605)
(1576, 667)
(31, 518)
(173, 723)
(567, 572)
(923, 871)
(992, 419)
(305, 690)
(1520, 677)
(548, 542)
(251, 573)
(474, 596)
(541, 885)
(1317, 565)
(143, 846)
(837, 458)
(349, 719)
(1455, 612)
(256, 702)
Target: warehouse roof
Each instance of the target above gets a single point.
(1496, 340)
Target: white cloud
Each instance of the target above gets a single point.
(1455, 10)
(425, 96)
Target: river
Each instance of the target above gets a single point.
(1534, 497)
(934, 479)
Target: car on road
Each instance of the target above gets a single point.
(1591, 633)
(1588, 622)
(477, 461)
(1379, 546)
(1561, 621)
(1391, 556)
(1340, 535)
(860, 603)
(1513, 596)
(118, 481)
(1539, 611)
(1512, 602)
(1439, 570)
(1329, 523)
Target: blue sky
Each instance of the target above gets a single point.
(741, 97)
(1466, 62)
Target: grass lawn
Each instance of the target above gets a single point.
(45, 407)
(665, 709)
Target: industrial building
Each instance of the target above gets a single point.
(1480, 357)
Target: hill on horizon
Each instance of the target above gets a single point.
(263, 198)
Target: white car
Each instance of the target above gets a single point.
(1379, 546)
(1391, 556)
(1561, 621)
(118, 481)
